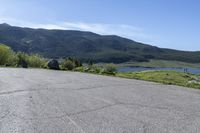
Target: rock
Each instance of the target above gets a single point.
(53, 64)
(23, 64)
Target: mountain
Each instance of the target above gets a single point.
(86, 46)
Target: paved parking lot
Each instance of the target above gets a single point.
(45, 101)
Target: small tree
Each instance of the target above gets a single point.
(110, 68)
(67, 64)
(36, 61)
(77, 63)
(22, 59)
(70, 63)
(5, 54)
(90, 63)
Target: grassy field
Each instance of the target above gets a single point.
(162, 63)
(165, 77)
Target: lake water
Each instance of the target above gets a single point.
(138, 69)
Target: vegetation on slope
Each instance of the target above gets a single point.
(70, 63)
(106, 69)
(10, 58)
(6, 55)
(166, 77)
(18, 59)
(86, 46)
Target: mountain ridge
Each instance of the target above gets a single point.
(86, 46)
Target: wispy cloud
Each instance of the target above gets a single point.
(104, 29)
(123, 30)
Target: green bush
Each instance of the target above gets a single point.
(70, 63)
(36, 61)
(6, 54)
(67, 65)
(95, 69)
(77, 63)
(109, 69)
(22, 57)
(90, 69)
(12, 60)
(79, 69)
(106, 69)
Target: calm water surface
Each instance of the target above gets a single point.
(138, 69)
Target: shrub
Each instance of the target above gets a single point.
(109, 69)
(95, 69)
(90, 63)
(22, 59)
(79, 69)
(70, 63)
(67, 65)
(91, 69)
(5, 54)
(36, 61)
(12, 60)
(77, 62)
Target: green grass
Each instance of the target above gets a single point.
(162, 63)
(166, 77)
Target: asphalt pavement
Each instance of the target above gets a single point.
(47, 101)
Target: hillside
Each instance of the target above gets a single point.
(86, 46)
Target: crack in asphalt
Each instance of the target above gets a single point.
(5, 115)
(91, 110)
(101, 87)
(19, 91)
(144, 106)
(42, 89)
(144, 128)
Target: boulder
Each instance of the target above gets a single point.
(23, 64)
(53, 64)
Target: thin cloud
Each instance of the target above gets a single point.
(123, 30)
(104, 29)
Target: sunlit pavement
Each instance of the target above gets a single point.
(46, 101)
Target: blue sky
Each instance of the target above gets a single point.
(164, 23)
